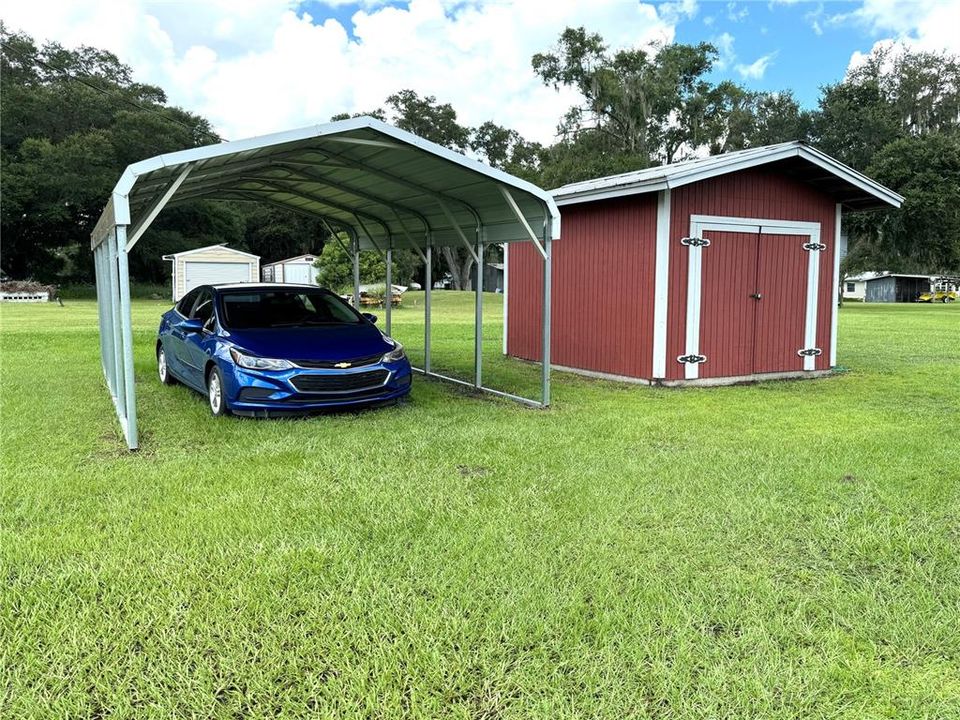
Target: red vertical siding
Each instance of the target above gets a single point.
(602, 289)
(757, 193)
(524, 297)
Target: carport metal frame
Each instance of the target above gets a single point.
(162, 178)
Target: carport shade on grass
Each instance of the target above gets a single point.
(781, 550)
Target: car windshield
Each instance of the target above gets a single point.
(285, 308)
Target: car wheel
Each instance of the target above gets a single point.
(216, 397)
(162, 370)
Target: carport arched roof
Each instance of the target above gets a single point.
(384, 186)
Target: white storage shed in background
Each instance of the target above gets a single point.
(298, 269)
(211, 265)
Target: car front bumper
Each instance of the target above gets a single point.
(304, 390)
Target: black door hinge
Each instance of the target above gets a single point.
(695, 242)
(814, 246)
(692, 359)
(808, 352)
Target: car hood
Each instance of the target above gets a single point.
(326, 342)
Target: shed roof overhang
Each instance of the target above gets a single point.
(854, 190)
(384, 186)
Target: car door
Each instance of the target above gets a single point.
(172, 335)
(196, 344)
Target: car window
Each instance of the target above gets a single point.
(203, 307)
(284, 308)
(187, 301)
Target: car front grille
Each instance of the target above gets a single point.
(324, 364)
(340, 382)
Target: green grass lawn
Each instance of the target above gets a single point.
(783, 550)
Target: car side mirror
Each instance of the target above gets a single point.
(191, 325)
(371, 317)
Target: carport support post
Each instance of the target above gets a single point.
(356, 273)
(129, 392)
(428, 283)
(389, 288)
(478, 320)
(101, 304)
(117, 386)
(545, 318)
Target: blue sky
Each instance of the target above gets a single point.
(805, 49)
(259, 66)
(795, 45)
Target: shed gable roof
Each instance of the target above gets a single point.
(308, 256)
(854, 189)
(218, 246)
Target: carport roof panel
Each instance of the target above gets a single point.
(363, 174)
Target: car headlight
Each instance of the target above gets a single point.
(396, 354)
(258, 363)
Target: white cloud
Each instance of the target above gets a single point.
(736, 14)
(726, 55)
(756, 69)
(727, 59)
(900, 24)
(674, 12)
(815, 17)
(258, 66)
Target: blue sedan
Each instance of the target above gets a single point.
(261, 350)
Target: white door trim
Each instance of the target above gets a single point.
(813, 291)
(506, 285)
(719, 223)
(661, 285)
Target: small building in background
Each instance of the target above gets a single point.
(299, 270)
(492, 277)
(896, 287)
(211, 265)
(855, 286)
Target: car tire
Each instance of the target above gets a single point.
(216, 397)
(162, 369)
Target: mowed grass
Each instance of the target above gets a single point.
(782, 550)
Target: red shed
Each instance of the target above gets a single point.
(710, 271)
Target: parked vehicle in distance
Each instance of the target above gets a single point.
(268, 349)
(943, 296)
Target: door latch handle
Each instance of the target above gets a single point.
(756, 296)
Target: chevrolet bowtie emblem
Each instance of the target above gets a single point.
(342, 365)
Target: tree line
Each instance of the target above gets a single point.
(73, 119)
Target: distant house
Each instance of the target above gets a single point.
(297, 269)
(211, 265)
(855, 286)
(896, 287)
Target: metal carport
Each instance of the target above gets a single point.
(383, 188)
